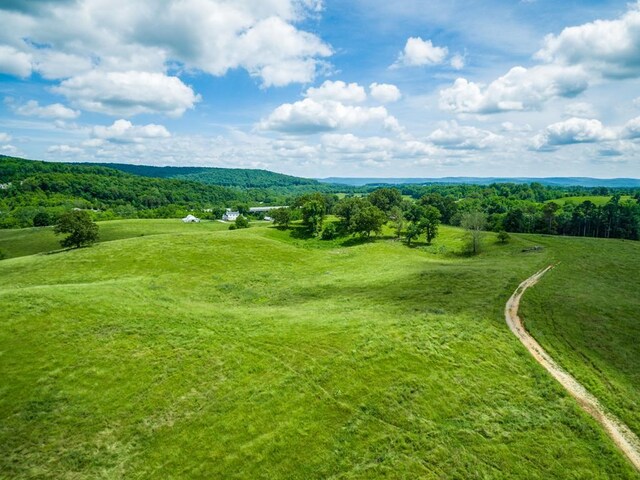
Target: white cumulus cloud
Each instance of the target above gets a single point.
(309, 116)
(338, 91)
(55, 110)
(128, 93)
(385, 92)
(452, 136)
(609, 47)
(123, 131)
(418, 52)
(14, 62)
(519, 90)
(571, 131)
(632, 129)
(213, 36)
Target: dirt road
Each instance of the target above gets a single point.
(624, 438)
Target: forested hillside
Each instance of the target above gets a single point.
(28, 188)
(231, 177)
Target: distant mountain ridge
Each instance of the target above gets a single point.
(555, 181)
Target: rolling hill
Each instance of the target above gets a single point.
(255, 354)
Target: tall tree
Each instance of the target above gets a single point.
(368, 219)
(385, 199)
(429, 222)
(474, 223)
(81, 229)
(313, 216)
(281, 216)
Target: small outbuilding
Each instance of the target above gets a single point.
(191, 219)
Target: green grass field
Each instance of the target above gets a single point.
(585, 313)
(595, 199)
(28, 241)
(203, 353)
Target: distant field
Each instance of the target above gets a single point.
(254, 354)
(595, 199)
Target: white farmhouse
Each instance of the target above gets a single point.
(191, 219)
(230, 216)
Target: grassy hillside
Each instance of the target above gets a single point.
(585, 313)
(29, 241)
(247, 354)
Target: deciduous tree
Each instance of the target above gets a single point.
(81, 229)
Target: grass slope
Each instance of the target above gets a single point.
(585, 313)
(241, 354)
(29, 241)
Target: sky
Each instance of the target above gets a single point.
(325, 88)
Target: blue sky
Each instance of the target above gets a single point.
(326, 88)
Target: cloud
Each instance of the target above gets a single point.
(385, 92)
(571, 61)
(512, 127)
(580, 109)
(128, 93)
(418, 52)
(520, 89)
(56, 111)
(309, 116)
(458, 61)
(68, 38)
(572, 131)
(123, 131)
(338, 91)
(14, 62)
(632, 129)
(452, 136)
(64, 150)
(54, 65)
(609, 47)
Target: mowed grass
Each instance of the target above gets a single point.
(241, 354)
(28, 241)
(586, 313)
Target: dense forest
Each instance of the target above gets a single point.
(35, 193)
(276, 183)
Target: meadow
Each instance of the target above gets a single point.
(198, 352)
(585, 313)
(599, 200)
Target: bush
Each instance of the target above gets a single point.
(503, 237)
(330, 232)
(242, 222)
(42, 219)
(3, 254)
(232, 227)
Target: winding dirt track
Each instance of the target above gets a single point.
(624, 438)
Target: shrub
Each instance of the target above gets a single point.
(503, 237)
(330, 232)
(242, 222)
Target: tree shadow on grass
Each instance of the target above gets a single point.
(300, 233)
